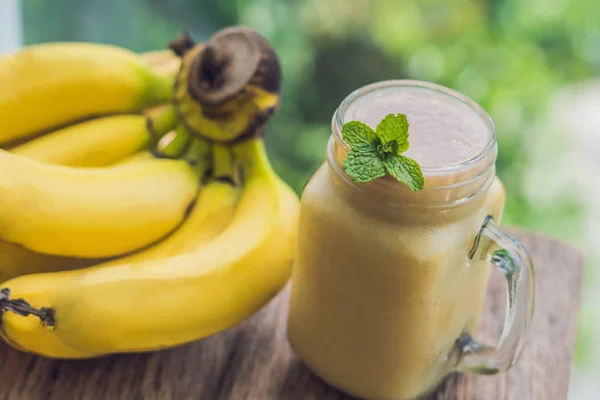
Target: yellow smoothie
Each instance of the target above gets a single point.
(383, 286)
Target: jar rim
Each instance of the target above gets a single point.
(484, 177)
(337, 121)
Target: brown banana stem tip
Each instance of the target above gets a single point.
(21, 307)
(233, 59)
(227, 87)
(181, 44)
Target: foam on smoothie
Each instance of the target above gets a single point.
(442, 130)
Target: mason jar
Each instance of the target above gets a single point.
(389, 283)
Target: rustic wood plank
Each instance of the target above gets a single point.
(254, 361)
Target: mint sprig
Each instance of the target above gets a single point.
(375, 153)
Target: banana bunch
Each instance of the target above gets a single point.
(78, 105)
(170, 227)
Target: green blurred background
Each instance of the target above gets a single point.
(532, 64)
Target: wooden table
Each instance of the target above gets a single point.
(253, 360)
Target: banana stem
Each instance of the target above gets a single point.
(21, 307)
(178, 146)
(223, 168)
(197, 155)
(159, 90)
(161, 120)
(252, 155)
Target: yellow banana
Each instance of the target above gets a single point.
(212, 213)
(49, 85)
(161, 303)
(29, 339)
(92, 212)
(163, 62)
(143, 155)
(17, 260)
(100, 142)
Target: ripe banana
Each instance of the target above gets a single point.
(163, 62)
(212, 213)
(215, 206)
(31, 337)
(92, 212)
(100, 142)
(143, 155)
(46, 86)
(17, 260)
(155, 304)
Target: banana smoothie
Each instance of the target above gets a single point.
(384, 286)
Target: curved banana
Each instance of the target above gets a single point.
(214, 205)
(143, 155)
(100, 142)
(161, 303)
(49, 85)
(92, 212)
(30, 336)
(212, 213)
(17, 260)
(163, 62)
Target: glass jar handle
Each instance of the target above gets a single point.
(509, 256)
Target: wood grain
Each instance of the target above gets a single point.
(253, 360)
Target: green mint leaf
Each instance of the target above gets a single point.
(364, 166)
(394, 129)
(405, 170)
(375, 153)
(358, 134)
(391, 147)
